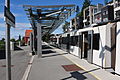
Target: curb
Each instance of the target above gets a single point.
(26, 74)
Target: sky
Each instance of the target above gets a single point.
(22, 22)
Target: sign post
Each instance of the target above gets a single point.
(9, 21)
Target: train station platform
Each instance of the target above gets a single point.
(57, 64)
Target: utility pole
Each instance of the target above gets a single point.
(8, 52)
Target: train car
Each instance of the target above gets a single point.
(92, 44)
(117, 59)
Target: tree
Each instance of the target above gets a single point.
(65, 26)
(105, 1)
(86, 3)
(2, 44)
(46, 37)
(13, 40)
(3, 39)
(19, 38)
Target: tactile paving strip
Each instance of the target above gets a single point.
(5, 66)
(71, 67)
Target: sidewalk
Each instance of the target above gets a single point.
(59, 65)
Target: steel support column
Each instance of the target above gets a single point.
(39, 41)
(31, 42)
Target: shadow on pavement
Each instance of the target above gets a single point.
(54, 55)
(90, 70)
(17, 48)
(76, 75)
(48, 52)
(46, 47)
(79, 76)
(2, 54)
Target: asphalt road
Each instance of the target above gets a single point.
(20, 59)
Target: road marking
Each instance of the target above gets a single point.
(26, 74)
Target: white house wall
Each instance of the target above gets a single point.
(117, 66)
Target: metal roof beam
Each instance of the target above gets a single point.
(51, 6)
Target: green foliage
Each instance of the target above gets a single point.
(105, 1)
(12, 40)
(46, 37)
(86, 3)
(19, 38)
(22, 41)
(65, 26)
(2, 44)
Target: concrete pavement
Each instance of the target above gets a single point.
(20, 59)
(50, 67)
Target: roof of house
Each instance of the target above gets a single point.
(27, 33)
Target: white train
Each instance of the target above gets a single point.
(95, 44)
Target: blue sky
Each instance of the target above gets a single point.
(22, 22)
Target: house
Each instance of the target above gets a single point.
(116, 8)
(88, 15)
(27, 36)
(97, 13)
(107, 13)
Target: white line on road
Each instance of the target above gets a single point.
(26, 74)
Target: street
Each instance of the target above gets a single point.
(20, 60)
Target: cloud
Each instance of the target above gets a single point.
(23, 25)
(18, 30)
(2, 33)
(18, 25)
(17, 6)
(1, 15)
(2, 24)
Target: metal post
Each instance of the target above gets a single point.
(34, 40)
(8, 53)
(31, 42)
(39, 41)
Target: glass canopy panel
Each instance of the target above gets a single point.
(50, 17)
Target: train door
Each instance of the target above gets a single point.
(113, 46)
(80, 44)
(90, 47)
(85, 45)
(68, 43)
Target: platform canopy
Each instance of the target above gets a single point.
(49, 17)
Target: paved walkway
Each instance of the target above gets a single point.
(19, 62)
(52, 66)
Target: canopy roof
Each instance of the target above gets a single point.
(49, 17)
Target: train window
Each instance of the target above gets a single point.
(89, 41)
(64, 40)
(71, 40)
(80, 40)
(96, 38)
(60, 40)
(74, 40)
(54, 39)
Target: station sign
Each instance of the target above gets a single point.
(9, 17)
